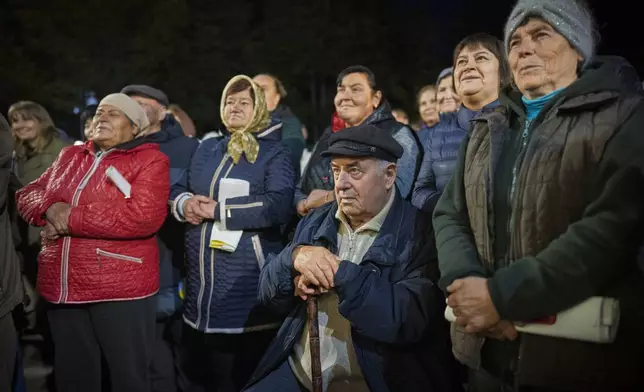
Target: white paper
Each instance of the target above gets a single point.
(120, 181)
(595, 320)
(220, 237)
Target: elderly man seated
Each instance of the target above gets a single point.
(370, 257)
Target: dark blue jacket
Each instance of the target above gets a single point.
(441, 144)
(389, 299)
(424, 134)
(221, 287)
(291, 134)
(179, 149)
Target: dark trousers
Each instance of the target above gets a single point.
(281, 379)
(166, 342)
(120, 332)
(482, 381)
(8, 351)
(219, 362)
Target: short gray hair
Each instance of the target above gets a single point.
(382, 165)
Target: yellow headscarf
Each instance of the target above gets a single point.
(242, 139)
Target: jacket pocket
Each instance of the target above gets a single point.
(242, 206)
(103, 253)
(259, 253)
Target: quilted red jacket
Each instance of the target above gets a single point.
(111, 252)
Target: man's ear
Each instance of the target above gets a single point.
(390, 175)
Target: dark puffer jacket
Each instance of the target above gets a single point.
(317, 174)
(10, 280)
(291, 134)
(221, 287)
(441, 144)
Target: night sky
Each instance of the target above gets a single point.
(55, 51)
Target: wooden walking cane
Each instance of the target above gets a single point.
(314, 342)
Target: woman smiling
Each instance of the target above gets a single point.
(99, 264)
(545, 211)
(479, 73)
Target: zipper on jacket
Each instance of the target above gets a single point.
(67, 240)
(512, 191)
(525, 138)
(259, 253)
(212, 252)
(204, 228)
(101, 252)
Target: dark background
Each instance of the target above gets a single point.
(54, 51)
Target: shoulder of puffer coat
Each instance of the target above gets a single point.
(151, 154)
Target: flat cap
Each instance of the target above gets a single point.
(364, 141)
(146, 91)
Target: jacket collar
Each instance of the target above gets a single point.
(385, 248)
(465, 115)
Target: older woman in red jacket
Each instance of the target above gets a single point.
(101, 204)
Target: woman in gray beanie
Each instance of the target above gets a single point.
(546, 210)
(446, 97)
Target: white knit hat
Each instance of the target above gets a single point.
(129, 107)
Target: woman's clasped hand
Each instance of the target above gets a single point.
(198, 208)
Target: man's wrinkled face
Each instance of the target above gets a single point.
(153, 109)
(362, 185)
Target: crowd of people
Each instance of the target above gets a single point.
(158, 262)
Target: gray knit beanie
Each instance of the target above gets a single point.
(569, 18)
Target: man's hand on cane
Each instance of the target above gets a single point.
(317, 265)
(303, 288)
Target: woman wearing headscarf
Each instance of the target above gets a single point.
(101, 204)
(226, 328)
(545, 211)
(480, 71)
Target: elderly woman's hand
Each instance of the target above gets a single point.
(473, 307)
(49, 232)
(58, 216)
(192, 211)
(504, 330)
(206, 207)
